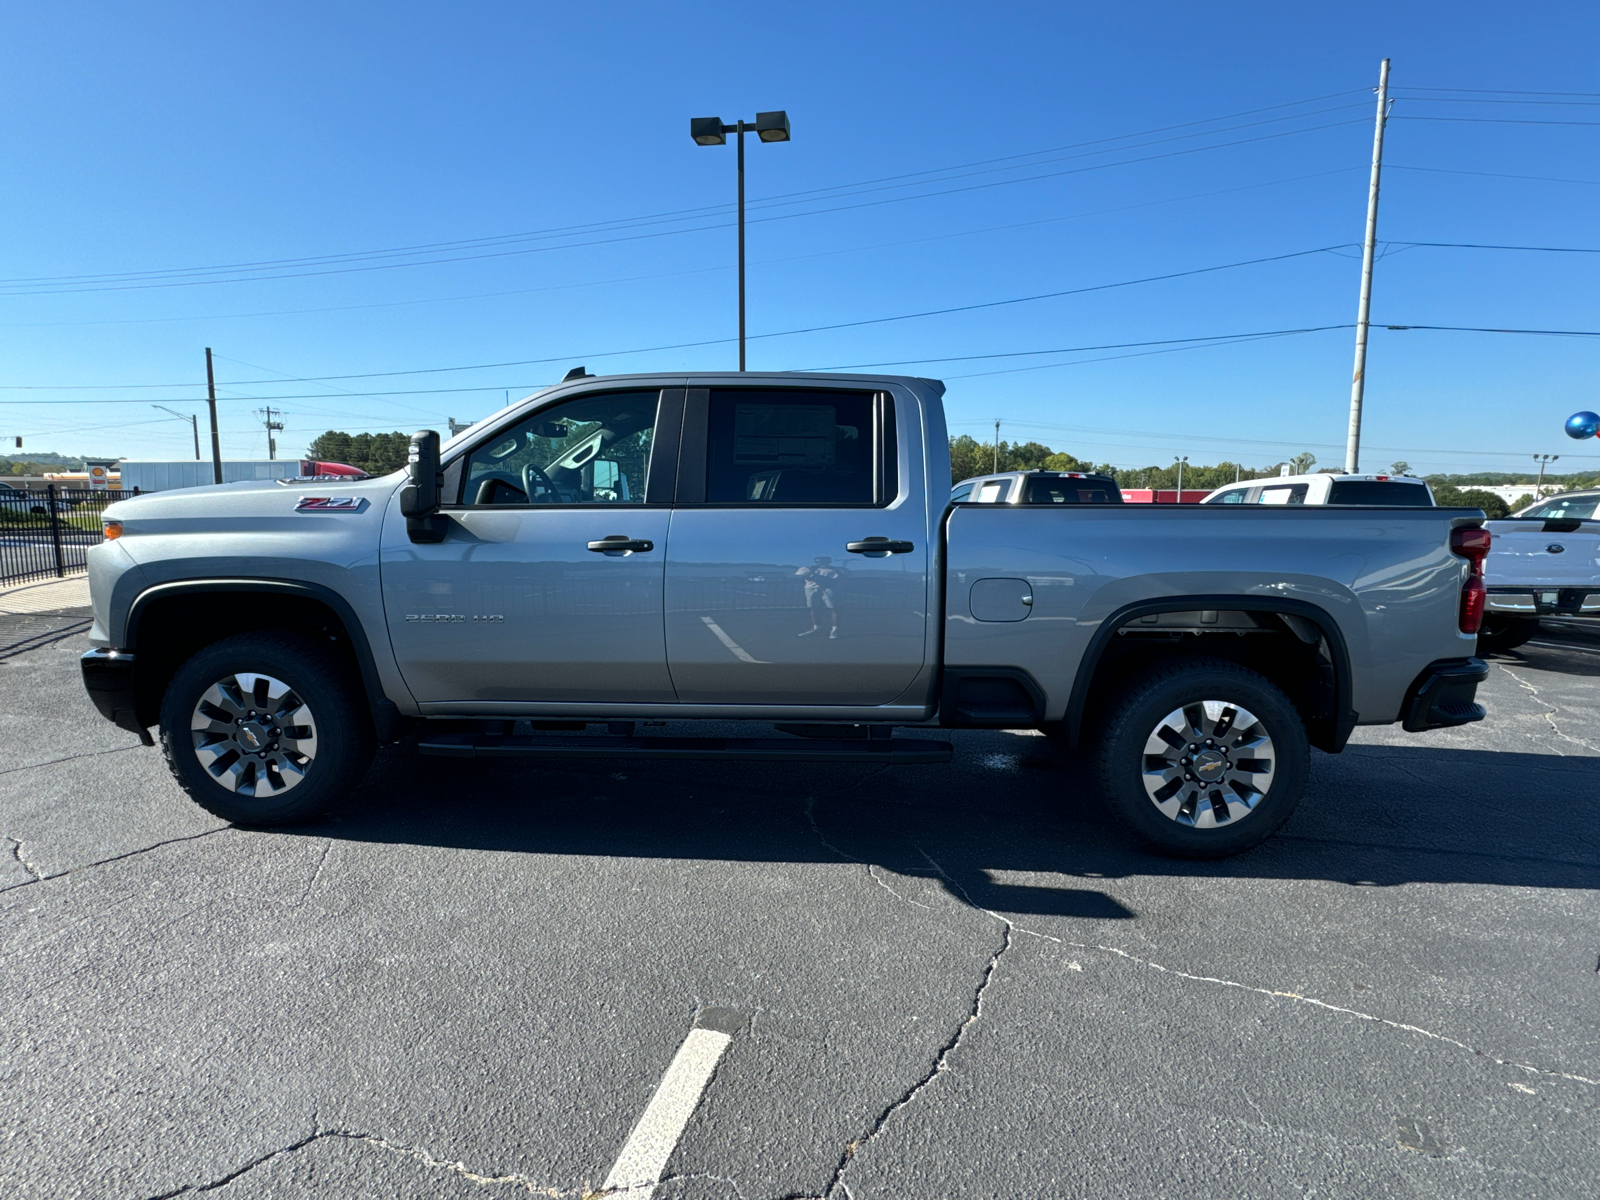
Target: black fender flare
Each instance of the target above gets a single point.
(387, 720)
(1345, 717)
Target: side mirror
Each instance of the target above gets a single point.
(420, 499)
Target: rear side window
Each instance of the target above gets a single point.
(1568, 507)
(1291, 494)
(991, 493)
(792, 447)
(1373, 491)
(1071, 491)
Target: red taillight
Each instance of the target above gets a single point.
(1473, 598)
(1471, 544)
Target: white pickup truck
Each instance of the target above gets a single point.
(779, 550)
(1544, 562)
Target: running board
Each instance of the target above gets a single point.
(875, 750)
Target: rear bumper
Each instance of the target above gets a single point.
(108, 678)
(1545, 602)
(1442, 695)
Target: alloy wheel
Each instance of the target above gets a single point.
(254, 735)
(1208, 764)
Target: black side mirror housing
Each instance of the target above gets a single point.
(421, 498)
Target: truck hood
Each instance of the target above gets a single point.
(250, 498)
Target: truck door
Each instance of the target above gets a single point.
(798, 567)
(548, 584)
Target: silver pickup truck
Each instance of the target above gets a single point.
(770, 548)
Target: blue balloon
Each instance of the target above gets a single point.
(1583, 424)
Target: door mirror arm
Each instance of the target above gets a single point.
(421, 498)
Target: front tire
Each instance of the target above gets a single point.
(1204, 758)
(266, 729)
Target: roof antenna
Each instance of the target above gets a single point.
(576, 373)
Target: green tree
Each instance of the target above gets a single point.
(375, 453)
(1400, 468)
(1302, 463)
(1448, 496)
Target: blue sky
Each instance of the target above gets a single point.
(943, 156)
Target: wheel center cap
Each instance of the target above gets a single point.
(1210, 764)
(253, 735)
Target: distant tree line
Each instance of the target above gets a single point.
(969, 457)
(375, 453)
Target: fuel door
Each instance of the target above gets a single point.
(1001, 599)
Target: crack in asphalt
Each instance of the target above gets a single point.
(692, 1175)
(836, 1185)
(1272, 993)
(1550, 711)
(811, 816)
(44, 878)
(316, 873)
(16, 853)
(525, 1182)
(71, 758)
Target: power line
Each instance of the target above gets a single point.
(529, 362)
(1492, 175)
(1578, 333)
(694, 271)
(1489, 120)
(1496, 91)
(1489, 246)
(680, 214)
(675, 232)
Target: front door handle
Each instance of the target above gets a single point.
(620, 543)
(877, 547)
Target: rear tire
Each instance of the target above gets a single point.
(1203, 758)
(1499, 634)
(266, 729)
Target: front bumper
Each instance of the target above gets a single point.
(108, 678)
(1442, 695)
(1545, 602)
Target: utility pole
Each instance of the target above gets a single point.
(1358, 380)
(1542, 460)
(216, 441)
(996, 470)
(272, 446)
(194, 424)
(1179, 498)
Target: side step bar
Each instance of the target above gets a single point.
(875, 750)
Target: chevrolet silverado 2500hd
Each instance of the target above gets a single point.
(774, 548)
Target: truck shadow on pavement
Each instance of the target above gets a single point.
(1008, 806)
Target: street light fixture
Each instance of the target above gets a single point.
(710, 131)
(194, 424)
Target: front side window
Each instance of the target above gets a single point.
(1236, 496)
(1566, 507)
(593, 450)
(790, 447)
(960, 493)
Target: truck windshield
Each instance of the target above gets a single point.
(1384, 492)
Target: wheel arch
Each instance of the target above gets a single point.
(1326, 710)
(170, 621)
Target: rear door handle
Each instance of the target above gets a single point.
(877, 547)
(620, 543)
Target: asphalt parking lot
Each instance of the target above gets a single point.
(958, 981)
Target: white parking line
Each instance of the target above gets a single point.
(644, 1156)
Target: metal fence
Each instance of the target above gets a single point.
(47, 534)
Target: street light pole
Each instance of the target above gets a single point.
(1179, 498)
(710, 131)
(194, 424)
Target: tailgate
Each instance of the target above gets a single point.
(1538, 553)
